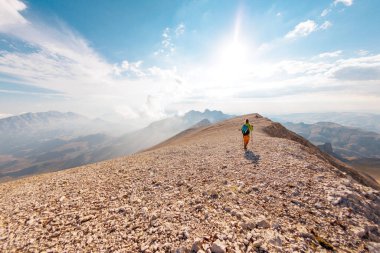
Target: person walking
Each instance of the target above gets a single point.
(246, 130)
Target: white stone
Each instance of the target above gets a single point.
(218, 247)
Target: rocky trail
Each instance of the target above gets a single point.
(198, 192)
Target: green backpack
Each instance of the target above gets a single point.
(245, 129)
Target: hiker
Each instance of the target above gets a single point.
(246, 129)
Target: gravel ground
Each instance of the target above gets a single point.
(197, 192)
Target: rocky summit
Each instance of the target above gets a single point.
(198, 192)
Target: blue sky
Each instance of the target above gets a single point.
(150, 59)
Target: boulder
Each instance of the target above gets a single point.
(218, 247)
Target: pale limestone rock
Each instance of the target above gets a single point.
(373, 247)
(262, 222)
(197, 245)
(218, 247)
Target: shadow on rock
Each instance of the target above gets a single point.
(249, 155)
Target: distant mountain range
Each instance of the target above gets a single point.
(350, 143)
(365, 121)
(29, 130)
(359, 148)
(48, 141)
(161, 130)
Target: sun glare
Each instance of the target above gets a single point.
(233, 53)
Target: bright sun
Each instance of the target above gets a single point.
(232, 56)
(233, 53)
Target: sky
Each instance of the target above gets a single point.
(146, 60)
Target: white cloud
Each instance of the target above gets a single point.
(307, 27)
(62, 60)
(365, 68)
(167, 46)
(10, 14)
(125, 65)
(165, 74)
(266, 81)
(345, 2)
(130, 69)
(325, 25)
(169, 36)
(136, 68)
(5, 115)
(325, 12)
(321, 67)
(362, 52)
(330, 54)
(302, 29)
(166, 41)
(358, 73)
(278, 14)
(180, 29)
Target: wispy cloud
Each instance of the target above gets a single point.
(326, 73)
(302, 29)
(345, 2)
(63, 61)
(329, 9)
(358, 73)
(325, 12)
(362, 52)
(307, 27)
(58, 54)
(129, 69)
(366, 68)
(5, 115)
(180, 29)
(330, 54)
(325, 25)
(168, 36)
(10, 14)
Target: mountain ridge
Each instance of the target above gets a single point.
(198, 191)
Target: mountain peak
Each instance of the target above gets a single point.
(199, 189)
(33, 120)
(212, 116)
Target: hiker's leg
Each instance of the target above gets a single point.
(246, 140)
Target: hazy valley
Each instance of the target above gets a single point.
(41, 142)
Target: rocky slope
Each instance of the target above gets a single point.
(199, 192)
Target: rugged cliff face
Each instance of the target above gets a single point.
(199, 191)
